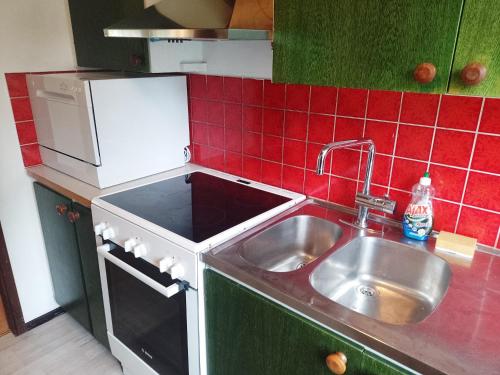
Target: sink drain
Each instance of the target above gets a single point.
(367, 291)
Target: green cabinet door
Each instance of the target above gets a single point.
(90, 266)
(93, 49)
(374, 365)
(478, 41)
(364, 43)
(250, 335)
(62, 253)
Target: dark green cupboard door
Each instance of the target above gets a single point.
(478, 41)
(373, 365)
(364, 43)
(90, 266)
(62, 253)
(93, 49)
(249, 335)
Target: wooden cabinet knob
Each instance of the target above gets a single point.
(473, 74)
(61, 209)
(337, 363)
(425, 73)
(73, 216)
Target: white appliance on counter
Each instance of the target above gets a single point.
(151, 239)
(108, 128)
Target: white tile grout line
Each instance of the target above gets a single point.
(393, 156)
(361, 118)
(434, 132)
(498, 238)
(307, 139)
(362, 136)
(283, 125)
(333, 139)
(469, 166)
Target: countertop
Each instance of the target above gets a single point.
(83, 193)
(462, 336)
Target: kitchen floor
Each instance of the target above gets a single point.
(58, 347)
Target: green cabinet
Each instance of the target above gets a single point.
(478, 41)
(93, 49)
(364, 43)
(248, 335)
(71, 252)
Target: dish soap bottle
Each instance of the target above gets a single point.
(418, 217)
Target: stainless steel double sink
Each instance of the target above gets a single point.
(377, 274)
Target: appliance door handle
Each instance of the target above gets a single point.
(53, 95)
(168, 292)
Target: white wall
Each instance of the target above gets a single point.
(34, 36)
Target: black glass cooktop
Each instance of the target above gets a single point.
(196, 206)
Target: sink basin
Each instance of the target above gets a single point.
(291, 244)
(383, 279)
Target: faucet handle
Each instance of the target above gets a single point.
(377, 203)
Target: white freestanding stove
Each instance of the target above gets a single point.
(150, 239)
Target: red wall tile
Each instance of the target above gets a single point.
(297, 97)
(487, 154)
(323, 99)
(31, 155)
(384, 105)
(419, 108)
(459, 112)
(262, 141)
(274, 94)
(414, 142)
(490, 121)
(16, 84)
(352, 102)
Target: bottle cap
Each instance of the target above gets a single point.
(425, 180)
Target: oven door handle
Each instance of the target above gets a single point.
(170, 291)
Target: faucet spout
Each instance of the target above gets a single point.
(373, 201)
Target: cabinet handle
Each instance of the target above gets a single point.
(61, 209)
(473, 74)
(425, 72)
(337, 363)
(73, 216)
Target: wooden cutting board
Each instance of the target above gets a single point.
(4, 327)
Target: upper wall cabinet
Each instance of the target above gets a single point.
(366, 43)
(476, 69)
(93, 50)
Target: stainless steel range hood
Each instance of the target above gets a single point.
(199, 20)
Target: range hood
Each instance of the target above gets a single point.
(199, 20)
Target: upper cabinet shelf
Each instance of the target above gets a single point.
(393, 44)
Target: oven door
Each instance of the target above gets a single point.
(146, 314)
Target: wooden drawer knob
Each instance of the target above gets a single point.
(424, 73)
(337, 363)
(73, 216)
(61, 209)
(473, 74)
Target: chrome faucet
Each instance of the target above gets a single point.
(364, 200)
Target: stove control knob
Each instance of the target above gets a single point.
(129, 244)
(108, 234)
(166, 263)
(98, 228)
(176, 271)
(140, 250)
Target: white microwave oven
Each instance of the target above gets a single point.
(107, 128)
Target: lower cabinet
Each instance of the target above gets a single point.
(251, 335)
(72, 256)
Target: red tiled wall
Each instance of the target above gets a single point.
(21, 108)
(23, 117)
(273, 133)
